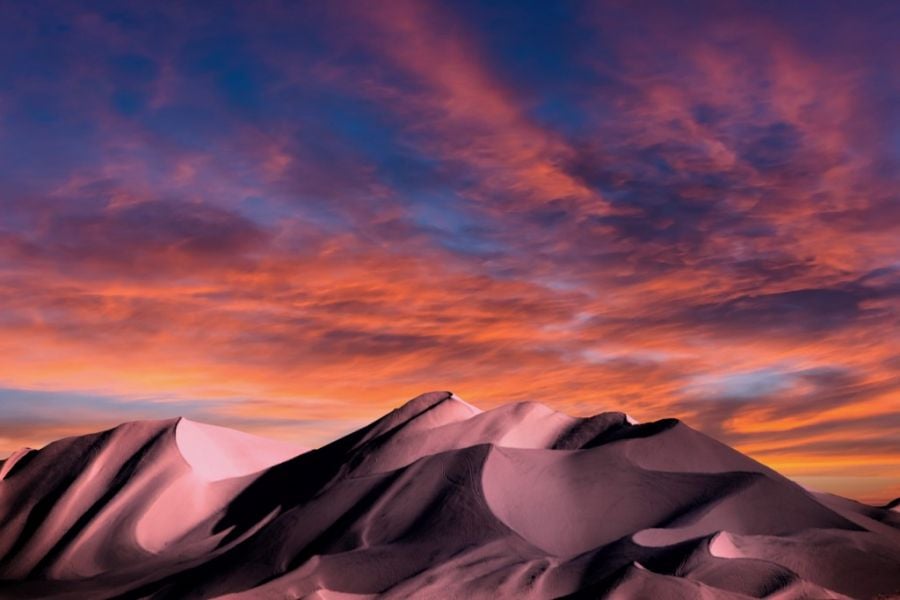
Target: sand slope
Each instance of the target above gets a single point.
(435, 500)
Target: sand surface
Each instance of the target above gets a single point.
(436, 499)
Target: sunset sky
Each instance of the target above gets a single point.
(290, 217)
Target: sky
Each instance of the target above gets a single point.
(291, 217)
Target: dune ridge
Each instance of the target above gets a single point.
(437, 499)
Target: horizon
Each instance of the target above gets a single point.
(289, 219)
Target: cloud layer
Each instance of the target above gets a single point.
(291, 218)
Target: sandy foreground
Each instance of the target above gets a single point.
(437, 499)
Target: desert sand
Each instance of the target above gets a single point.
(437, 499)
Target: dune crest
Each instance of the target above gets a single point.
(7, 465)
(437, 499)
(215, 453)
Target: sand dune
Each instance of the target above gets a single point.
(437, 499)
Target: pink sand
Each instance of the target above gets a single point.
(437, 499)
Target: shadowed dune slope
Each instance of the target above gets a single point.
(436, 499)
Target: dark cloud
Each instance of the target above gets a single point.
(771, 147)
(138, 238)
(775, 268)
(809, 311)
(350, 342)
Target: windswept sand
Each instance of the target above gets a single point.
(437, 499)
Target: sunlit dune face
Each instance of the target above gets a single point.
(290, 219)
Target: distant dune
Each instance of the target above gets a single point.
(437, 499)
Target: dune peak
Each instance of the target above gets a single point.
(215, 453)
